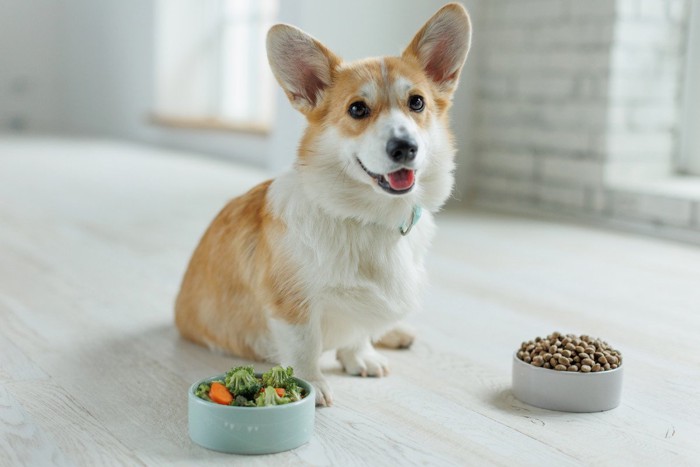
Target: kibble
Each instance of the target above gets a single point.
(567, 352)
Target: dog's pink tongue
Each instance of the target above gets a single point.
(401, 179)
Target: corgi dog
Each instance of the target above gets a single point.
(330, 255)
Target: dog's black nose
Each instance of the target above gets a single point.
(401, 150)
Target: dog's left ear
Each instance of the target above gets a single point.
(442, 44)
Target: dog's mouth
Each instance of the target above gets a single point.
(396, 183)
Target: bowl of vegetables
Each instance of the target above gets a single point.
(244, 412)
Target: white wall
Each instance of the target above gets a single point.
(29, 57)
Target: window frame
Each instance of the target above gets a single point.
(207, 105)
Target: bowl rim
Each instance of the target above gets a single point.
(571, 373)
(198, 400)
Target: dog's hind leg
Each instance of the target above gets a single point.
(363, 360)
(400, 336)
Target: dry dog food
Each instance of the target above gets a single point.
(570, 353)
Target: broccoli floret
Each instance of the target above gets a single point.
(269, 396)
(295, 393)
(241, 401)
(241, 381)
(278, 377)
(203, 391)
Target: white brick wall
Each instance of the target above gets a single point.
(645, 82)
(572, 95)
(569, 171)
(652, 208)
(512, 164)
(695, 222)
(562, 196)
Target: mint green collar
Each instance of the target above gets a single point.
(415, 217)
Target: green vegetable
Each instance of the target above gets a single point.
(241, 381)
(245, 387)
(279, 377)
(241, 401)
(203, 391)
(269, 396)
(295, 394)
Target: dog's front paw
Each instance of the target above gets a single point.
(324, 395)
(363, 362)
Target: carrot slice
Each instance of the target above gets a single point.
(220, 394)
(280, 392)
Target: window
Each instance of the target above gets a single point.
(211, 64)
(690, 137)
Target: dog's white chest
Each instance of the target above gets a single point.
(364, 278)
(359, 278)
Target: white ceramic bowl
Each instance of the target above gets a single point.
(566, 391)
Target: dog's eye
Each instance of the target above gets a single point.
(416, 103)
(358, 110)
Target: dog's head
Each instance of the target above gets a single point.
(378, 141)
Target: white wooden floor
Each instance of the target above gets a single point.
(94, 238)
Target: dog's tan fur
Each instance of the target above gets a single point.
(234, 274)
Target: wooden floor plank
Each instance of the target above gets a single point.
(22, 440)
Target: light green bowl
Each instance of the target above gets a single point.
(251, 430)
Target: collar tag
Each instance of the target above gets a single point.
(415, 217)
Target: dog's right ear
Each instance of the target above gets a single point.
(302, 65)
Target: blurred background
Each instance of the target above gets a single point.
(582, 110)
